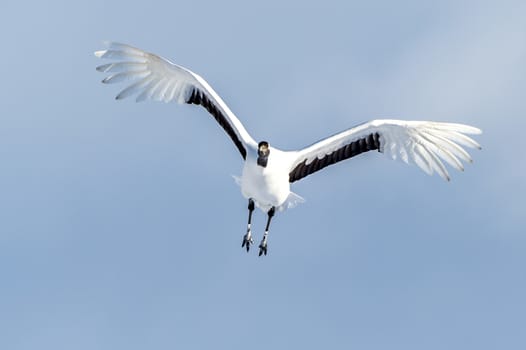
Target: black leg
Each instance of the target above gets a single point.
(263, 244)
(247, 239)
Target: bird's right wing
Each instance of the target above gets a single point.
(424, 143)
(152, 77)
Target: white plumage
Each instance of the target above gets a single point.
(420, 142)
(268, 171)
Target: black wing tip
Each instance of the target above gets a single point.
(349, 150)
(198, 97)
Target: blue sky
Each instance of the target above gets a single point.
(120, 230)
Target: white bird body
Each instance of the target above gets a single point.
(268, 171)
(268, 186)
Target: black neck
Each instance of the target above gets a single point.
(262, 161)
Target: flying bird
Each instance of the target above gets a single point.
(268, 171)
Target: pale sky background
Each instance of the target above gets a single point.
(121, 229)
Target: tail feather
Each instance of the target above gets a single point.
(292, 201)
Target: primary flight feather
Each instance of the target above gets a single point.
(268, 171)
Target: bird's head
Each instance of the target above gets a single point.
(263, 152)
(263, 149)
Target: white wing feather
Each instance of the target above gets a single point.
(152, 77)
(426, 144)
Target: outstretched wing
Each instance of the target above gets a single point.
(152, 77)
(426, 144)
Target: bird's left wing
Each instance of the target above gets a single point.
(424, 143)
(152, 77)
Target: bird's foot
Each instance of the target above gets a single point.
(247, 240)
(263, 245)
